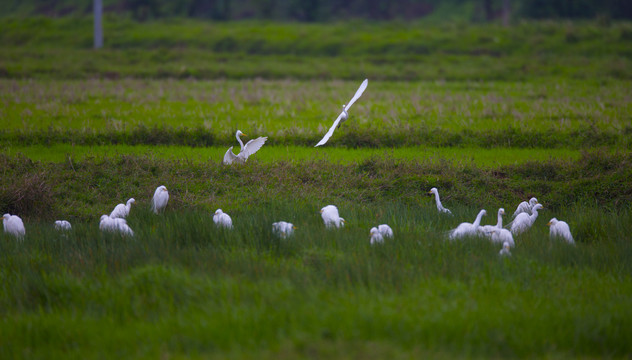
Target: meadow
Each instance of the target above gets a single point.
(489, 115)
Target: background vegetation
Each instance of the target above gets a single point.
(327, 10)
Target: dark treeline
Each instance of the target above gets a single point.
(331, 10)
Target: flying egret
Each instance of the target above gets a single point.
(505, 250)
(122, 210)
(560, 228)
(524, 221)
(439, 206)
(331, 217)
(488, 229)
(525, 207)
(250, 148)
(222, 219)
(343, 115)
(119, 225)
(376, 236)
(467, 229)
(62, 225)
(159, 201)
(283, 228)
(13, 225)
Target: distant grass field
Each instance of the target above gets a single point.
(547, 114)
(181, 287)
(61, 49)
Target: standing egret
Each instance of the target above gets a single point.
(524, 221)
(525, 207)
(222, 219)
(467, 229)
(385, 230)
(505, 250)
(376, 236)
(560, 228)
(119, 225)
(488, 229)
(62, 225)
(439, 206)
(159, 201)
(250, 148)
(283, 228)
(331, 217)
(502, 236)
(13, 225)
(343, 115)
(122, 210)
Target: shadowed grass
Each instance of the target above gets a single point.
(91, 187)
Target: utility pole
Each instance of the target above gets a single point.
(506, 12)
(98, 24)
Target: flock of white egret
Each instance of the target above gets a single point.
(524, 216)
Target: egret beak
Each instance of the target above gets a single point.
(321, 211)
(344, 221)
(294, 227)
(548, 224)
(242, 134)
(429, 193)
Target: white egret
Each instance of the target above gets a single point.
(119, 225)
(558, 228)
(250, 148)
(62, 225)
(331, 217)
(525, 207)
(13, 225)
(467, 229)
(524, 221)
(487, 230)
(222, 219)
(385, 230)
(439, 206)
(505, 250)
(502, 236)
(376, 236)
(343, 115)
(122, 210)
(159, 201)
(283, 229)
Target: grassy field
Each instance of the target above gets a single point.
(295, 154)
(545, 114)
(193, 290)
(489, 115)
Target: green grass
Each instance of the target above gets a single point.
(61, 48)
(269, 154)
(85, 189)
(546, 114)
(185, 288)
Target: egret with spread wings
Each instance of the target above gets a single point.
(250, 148)
(344, 115)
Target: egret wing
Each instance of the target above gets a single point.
(229, 157)
(252, 147)
(358, 93)
(333, 127)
